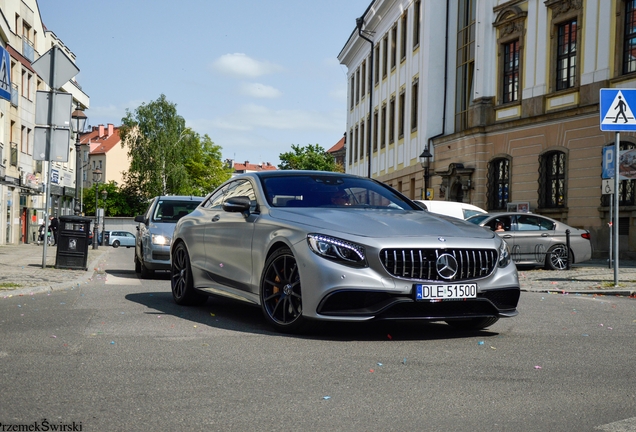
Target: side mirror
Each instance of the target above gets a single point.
(237, 204)
(140, 219)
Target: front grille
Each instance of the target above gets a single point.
(422, 263)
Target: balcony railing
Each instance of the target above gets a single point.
(13, 156)
(28, 51)
(14, 95)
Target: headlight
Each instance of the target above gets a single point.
(504, 254)
(340, 251)
(161, 240)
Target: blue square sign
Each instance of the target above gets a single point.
(617, 108)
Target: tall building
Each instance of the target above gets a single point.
(23, 39)
(504, 98)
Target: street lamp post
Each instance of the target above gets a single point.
(104, 195)
(97, 176)
(78, 124)
(425, 159)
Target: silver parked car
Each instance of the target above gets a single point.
(309, 245)
(538, 240)
(152, 248)
(120, 238)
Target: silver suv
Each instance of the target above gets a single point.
(152, 247)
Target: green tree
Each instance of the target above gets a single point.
(310, 157)
(166, 156)
(119, 202)
(206, 170)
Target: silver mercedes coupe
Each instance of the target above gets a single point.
(313, 245)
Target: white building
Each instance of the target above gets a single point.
(22, 202)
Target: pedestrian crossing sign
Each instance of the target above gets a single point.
(616, 110)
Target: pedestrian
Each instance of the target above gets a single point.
(53, 226)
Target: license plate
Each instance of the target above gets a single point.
(445, 292)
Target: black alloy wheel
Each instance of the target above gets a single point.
(116, 244)
(557, 258)
(281, 298)
(181, 281)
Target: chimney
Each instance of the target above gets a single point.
(111, 129)
(101, 131)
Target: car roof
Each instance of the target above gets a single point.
(179, 198)
(291, 173)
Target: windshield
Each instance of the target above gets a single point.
(332, 191)
(477, 219)
(170, 211)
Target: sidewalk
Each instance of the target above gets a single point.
(21, 269)
(592, 277)
(21, 272)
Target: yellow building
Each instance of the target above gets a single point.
(503, 95)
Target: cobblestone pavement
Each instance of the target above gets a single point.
(21, 269)
(21, 272)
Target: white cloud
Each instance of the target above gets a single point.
(240, 65)
(260, 91)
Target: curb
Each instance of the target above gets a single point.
(609, 292)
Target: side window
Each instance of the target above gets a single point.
(530, 223)
(241, 188)
(215, 201)
(504, 221)
(545, 224)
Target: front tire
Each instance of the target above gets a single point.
(181, 281)
(281, 296)
(557, 258)
(137, 264)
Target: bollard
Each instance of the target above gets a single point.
(568, 264)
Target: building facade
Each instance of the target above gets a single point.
(22, 178)
(504, 98)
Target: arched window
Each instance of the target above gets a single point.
(552, 180)
(498, 183)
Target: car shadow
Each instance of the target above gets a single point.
(221, 313)
(131, 274)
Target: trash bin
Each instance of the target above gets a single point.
(72, 242)
(106, 235)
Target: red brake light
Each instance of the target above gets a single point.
(586, 235)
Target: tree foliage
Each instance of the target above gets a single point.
(310, 157)
(166, 156)
(119, 202)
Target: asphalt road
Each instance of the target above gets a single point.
(116, 354)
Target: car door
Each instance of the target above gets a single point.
(228, 239)
(127, 239)
(532, 237)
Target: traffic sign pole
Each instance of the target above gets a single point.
(616, 209)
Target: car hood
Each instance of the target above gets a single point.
(381, 223)
(164, 228)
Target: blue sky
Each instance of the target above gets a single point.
(255, 75)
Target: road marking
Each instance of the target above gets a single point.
(627, 425)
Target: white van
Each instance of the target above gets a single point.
(457, 210)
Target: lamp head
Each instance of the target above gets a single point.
(425, 157)
(97, 175)
(79, 120)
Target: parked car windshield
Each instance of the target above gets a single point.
(332, 191)
(171, 211)
(477, 219)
